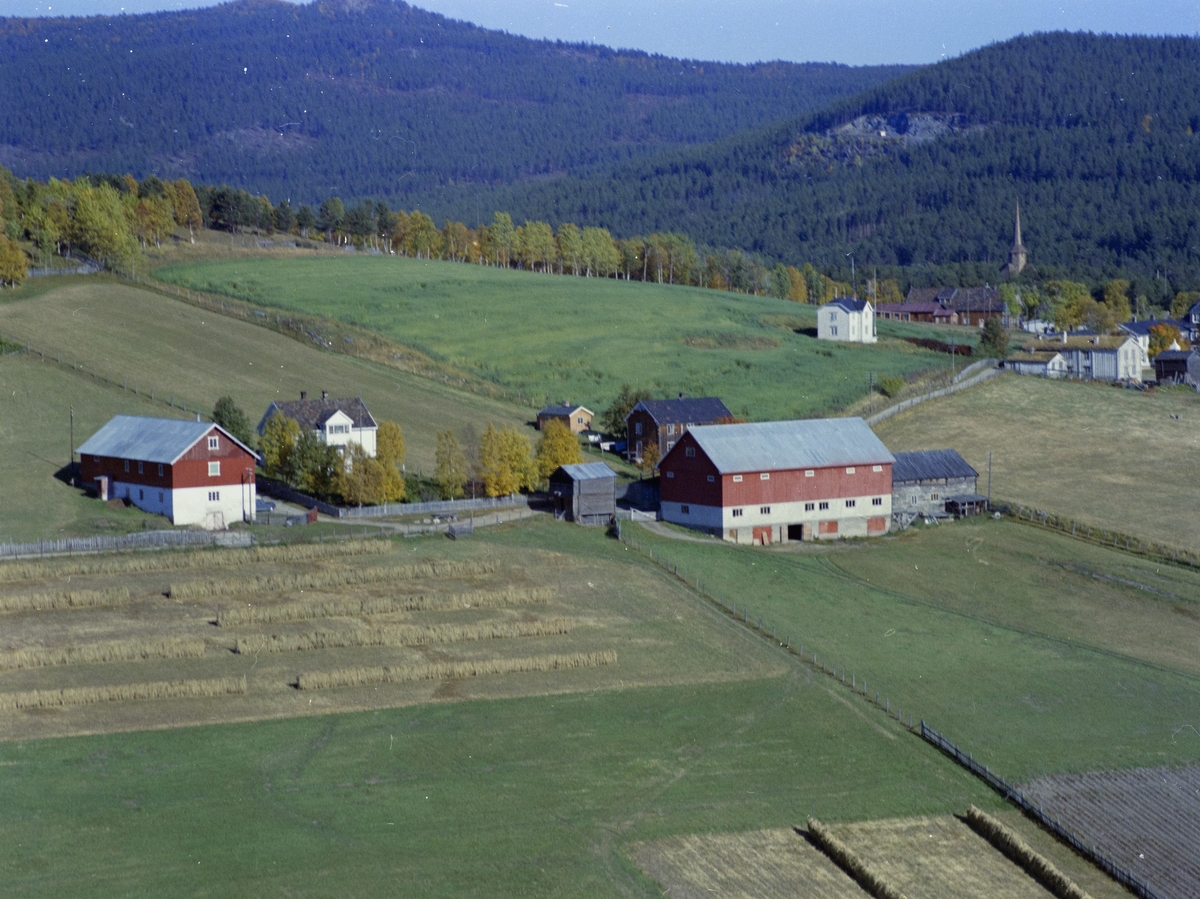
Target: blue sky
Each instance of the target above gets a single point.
(850, 31)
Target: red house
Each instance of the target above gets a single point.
(193, 472)
(780, 480)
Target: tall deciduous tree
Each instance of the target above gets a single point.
(612, 422)
(570, 247)
(278, 441)
(505, 462)
(186, 207)
(14, 267)
(557, 446)
(230, 416)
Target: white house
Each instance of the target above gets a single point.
(1088, 358)
(1046, 363)
(335, 422)
(847, 320)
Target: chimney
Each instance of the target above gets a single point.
(324, 394)
(303, 394)
(1096, 340)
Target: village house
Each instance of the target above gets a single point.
(848, 320)
(1046, 363)
(577, 418)
(584, 493)
(666, 420)
(959, 305)
(1090, 358)
(771, 482)
(933, 313)
(934, 483)
(191, 472)
(334, 422)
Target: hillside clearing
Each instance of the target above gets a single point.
(1109, 457)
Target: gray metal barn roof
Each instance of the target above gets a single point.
(149, 439)
(782, 445)
(586, 471)
(931, 465)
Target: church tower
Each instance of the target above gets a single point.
(1017, 255)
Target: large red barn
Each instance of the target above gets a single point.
(193, 472)
(780, 480)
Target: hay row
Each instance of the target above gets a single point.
(358, 677)
(305, 610)
(196, 558)
(848, 860)
(1036, 865)
(110, 651)
(73, 599)
(402, 635)
(44, 699)
(325, 579)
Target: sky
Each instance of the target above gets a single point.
(856, 32)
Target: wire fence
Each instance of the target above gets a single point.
(1009, 791)
(955, 386)
(114, 542)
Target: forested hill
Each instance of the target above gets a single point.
(1097, 136)
(362, 98)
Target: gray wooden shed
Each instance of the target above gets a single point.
(585, 494)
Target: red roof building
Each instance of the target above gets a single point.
(771, 482)
(192, 472)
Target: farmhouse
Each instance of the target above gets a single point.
(334, 422)
(934, 483)
(847, 320)
(193, 472)
(959, 305)
(585, 494)
(577, 418)
(781, 480)
(666, 420)
(1089, 358)
(935, 313)
(1047, 363)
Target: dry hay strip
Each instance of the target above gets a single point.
(111, 651)
(73, 599)
(846, 859)
(325, 579)
(357, 677)
(1036, 865)
(44, 699)
(334, 608)
(402, 635)
(196, 558)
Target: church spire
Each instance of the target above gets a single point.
(1017, 256)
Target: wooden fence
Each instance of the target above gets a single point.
(113, 543)
(957, 385)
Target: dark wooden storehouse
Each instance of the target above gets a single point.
(934, 483)
(584, 494)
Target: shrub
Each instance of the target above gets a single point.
(891, 385)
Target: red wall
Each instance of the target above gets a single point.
(237, 466)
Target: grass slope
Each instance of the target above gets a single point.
(1113, 458)
(176, 349)
(580, 338)
(1025, 647)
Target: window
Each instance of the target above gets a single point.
(140, 468)
(764, 510)
(833, 316)
(933, 496)
(637, 427)
(214, 469)
(912, 500)
(127, 465)
(737, 513)
(214, 443)
(824, 506)
(671, 446)
(765, 476)
(876, 468)
(579, 420)
(712, 479)
(686, 510)
(810, 473)
(851, 503)
(833, 330)
(214, 496)
(160, 469)
(670, 429)
(737, 479)
(690, 452)
(850, 470)
(670, 474)
(877, 501)
(808, 507)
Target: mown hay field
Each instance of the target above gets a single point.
(591, 334)
(1038, 653)
(169, 347)
(1113, 458)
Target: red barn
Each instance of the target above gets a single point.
(193, 472)
(780, 480)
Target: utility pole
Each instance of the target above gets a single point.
(72, 457)
(989, 480)
(871, 392)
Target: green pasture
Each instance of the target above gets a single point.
(528, 796)
(141, 339)
(580, 339)
(1036, 652)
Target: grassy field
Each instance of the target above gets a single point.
(581, 338)
(531, 784)
(1113, 458)
(168, 346)
(1036, 652)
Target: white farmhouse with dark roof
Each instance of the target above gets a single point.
(775, 481)
(335, 422)
(193, 472)
(847, 320)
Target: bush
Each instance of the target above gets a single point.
(891, 385)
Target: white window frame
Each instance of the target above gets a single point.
(850, 469)
(712, 479)
(765, 476)
(823, 505)
(809, 473)
(214, 442)
(876, 468)
(670, 474)
(737, 479)
(214, 469)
